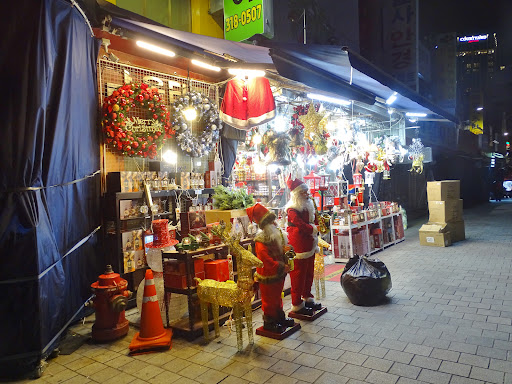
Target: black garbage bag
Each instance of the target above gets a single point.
(365, 281)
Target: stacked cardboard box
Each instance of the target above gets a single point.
(446, 223)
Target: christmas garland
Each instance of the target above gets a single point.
(207, 117)
(135, 136)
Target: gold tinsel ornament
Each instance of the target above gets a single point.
(310, 121)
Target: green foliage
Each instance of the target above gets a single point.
(225, 199)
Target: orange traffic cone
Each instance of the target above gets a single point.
(152, 336)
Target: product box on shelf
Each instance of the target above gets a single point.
(217, 215)
(435, 235)
(399, 227)
(210, 179)
(443, 190)
(445, 211)
(217, 270)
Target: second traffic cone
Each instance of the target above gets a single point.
(152, 336)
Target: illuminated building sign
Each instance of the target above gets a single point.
(472, 39)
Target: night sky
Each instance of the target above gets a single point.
(469, 17)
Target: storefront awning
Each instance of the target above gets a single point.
(205, 46)
(325, 67)
(329, 69)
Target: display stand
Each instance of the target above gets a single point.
(389, 235)
(315, 315)
(192, 327)
(278, 336)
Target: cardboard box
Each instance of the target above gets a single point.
(217, 270)
(443, 190)
(435, 235)
(216, 215)
(445, 211)
(457, 230)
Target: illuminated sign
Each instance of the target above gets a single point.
(472, 39)
(246, 18)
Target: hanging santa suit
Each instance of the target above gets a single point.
(247, 103)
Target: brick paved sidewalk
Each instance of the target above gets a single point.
(448, 320)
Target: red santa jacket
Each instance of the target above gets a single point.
(302, 236)
(247, 103)
(272, 257)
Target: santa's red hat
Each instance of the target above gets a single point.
(296, 185)
(260, 215)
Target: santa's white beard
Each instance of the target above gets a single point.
(273, 234)
(301, 203)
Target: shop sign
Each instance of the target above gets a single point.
(138, 125)
(472, 39)
(246, 18)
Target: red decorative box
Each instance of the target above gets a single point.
(175, 267)
(217, 270)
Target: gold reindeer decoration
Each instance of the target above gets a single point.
(230, 294)
(319, 272)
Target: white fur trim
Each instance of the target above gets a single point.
(302, 187)
(310, 300)
(296, 308)
(306, 255)
(315, 230)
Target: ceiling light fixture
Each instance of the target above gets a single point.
(416, 114)
(328, 99)
(391, 99)
(205, 65)
(154, 48)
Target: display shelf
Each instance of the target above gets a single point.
(384, 223)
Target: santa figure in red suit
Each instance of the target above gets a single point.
(303, 237)
(270, 247)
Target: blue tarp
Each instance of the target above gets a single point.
(49, 180)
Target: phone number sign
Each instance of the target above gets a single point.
(243, 19)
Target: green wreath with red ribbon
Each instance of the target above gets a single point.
(134, 136)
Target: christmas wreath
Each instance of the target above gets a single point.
(134, 136)
(206, 115)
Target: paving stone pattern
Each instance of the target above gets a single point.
(448, 320)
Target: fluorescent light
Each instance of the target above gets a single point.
(416, 114)
(246, 72)
(156, 49)
(480, 108)
(204, 65)
(391, 99)
(333, 100)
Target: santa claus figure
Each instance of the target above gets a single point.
(303, 237)
(270, 246)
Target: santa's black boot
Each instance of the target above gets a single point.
(272, 325)
(314, 306)
(285, 321)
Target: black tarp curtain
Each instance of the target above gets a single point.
(49, 181)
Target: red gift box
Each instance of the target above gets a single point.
(217, 270)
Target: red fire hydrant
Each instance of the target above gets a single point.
(110, 300)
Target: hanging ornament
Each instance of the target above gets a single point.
(310, 122)
(278, 147)
(416, 155)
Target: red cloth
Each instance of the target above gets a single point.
(302, 278)
(271, 276)
(302, 235)
(247, 103)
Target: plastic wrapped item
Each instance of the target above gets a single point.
(365, 281)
